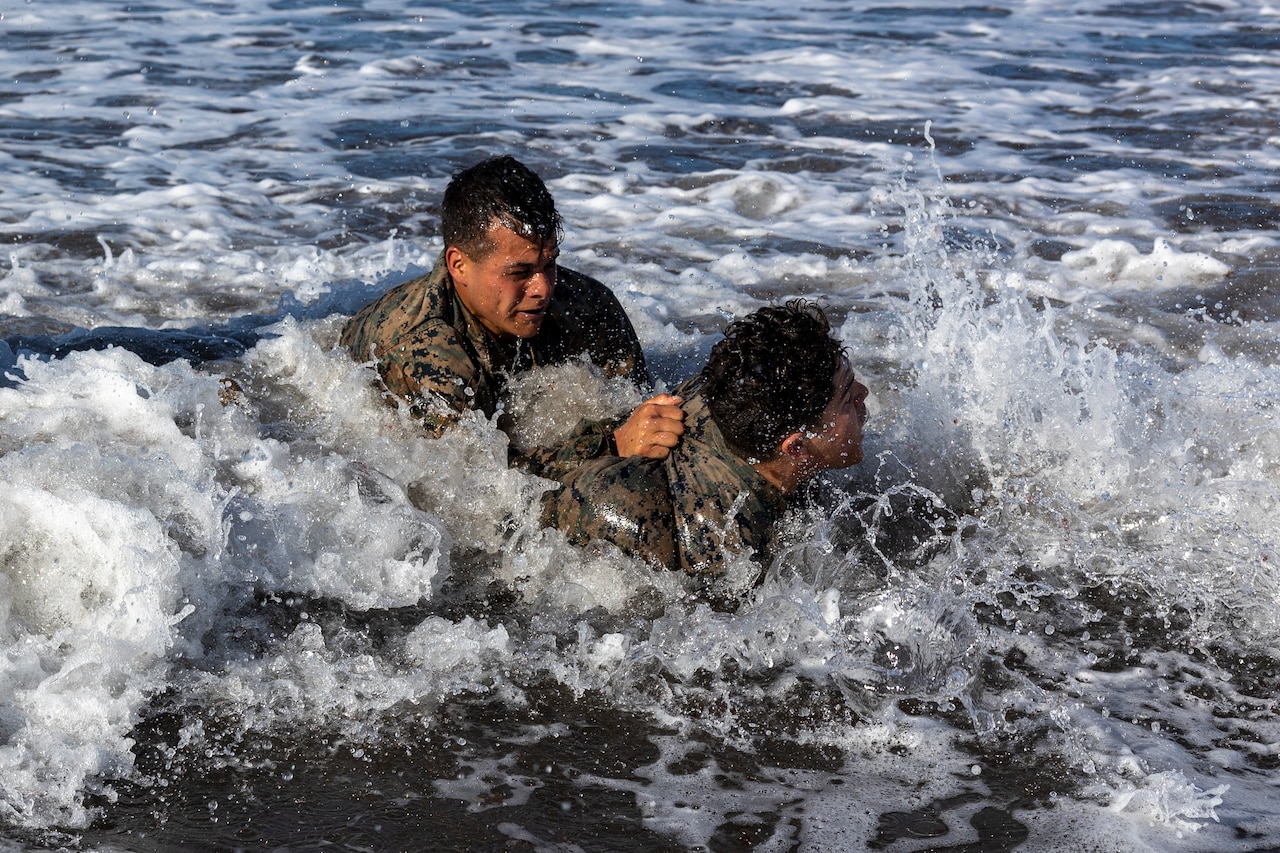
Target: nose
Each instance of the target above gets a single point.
(541, 284)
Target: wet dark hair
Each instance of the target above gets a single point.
(501, 189)
(772, 375)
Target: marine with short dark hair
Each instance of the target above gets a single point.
(496, 304)
(776, 404)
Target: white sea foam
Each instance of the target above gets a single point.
(1047, 236)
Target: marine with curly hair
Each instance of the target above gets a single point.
(776, 404)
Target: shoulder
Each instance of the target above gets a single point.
(586, 318)
(579, 282)
(417, 304)
(580, 293)
(418, 339)
(722, 505)
(623, 501)
(618, 482)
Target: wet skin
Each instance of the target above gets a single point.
(839, 442)
(508, 288)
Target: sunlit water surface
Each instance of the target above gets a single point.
(243, 605)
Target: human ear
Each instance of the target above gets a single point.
(456, 261)
(794, 446)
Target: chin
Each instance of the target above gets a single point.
(525, 330)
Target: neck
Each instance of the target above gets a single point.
(782, 473)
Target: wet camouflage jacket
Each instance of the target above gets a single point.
(425, 342)
(685, 512)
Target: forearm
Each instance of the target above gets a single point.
(591, 439)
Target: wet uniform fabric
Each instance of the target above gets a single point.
(424, 342)
(685, 512)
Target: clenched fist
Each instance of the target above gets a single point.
(653, 428)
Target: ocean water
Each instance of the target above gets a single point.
(245, 606)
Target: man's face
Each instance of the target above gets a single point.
(509, 289)
(837, 442)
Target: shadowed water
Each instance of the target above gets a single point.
(245, 605)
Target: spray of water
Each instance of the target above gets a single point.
(264, 551)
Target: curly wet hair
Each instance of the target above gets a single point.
(772, 375)
(500, 189)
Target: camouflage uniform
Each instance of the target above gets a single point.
(425, 342)
(685, 512)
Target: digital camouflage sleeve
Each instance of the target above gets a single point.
(688, 512)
